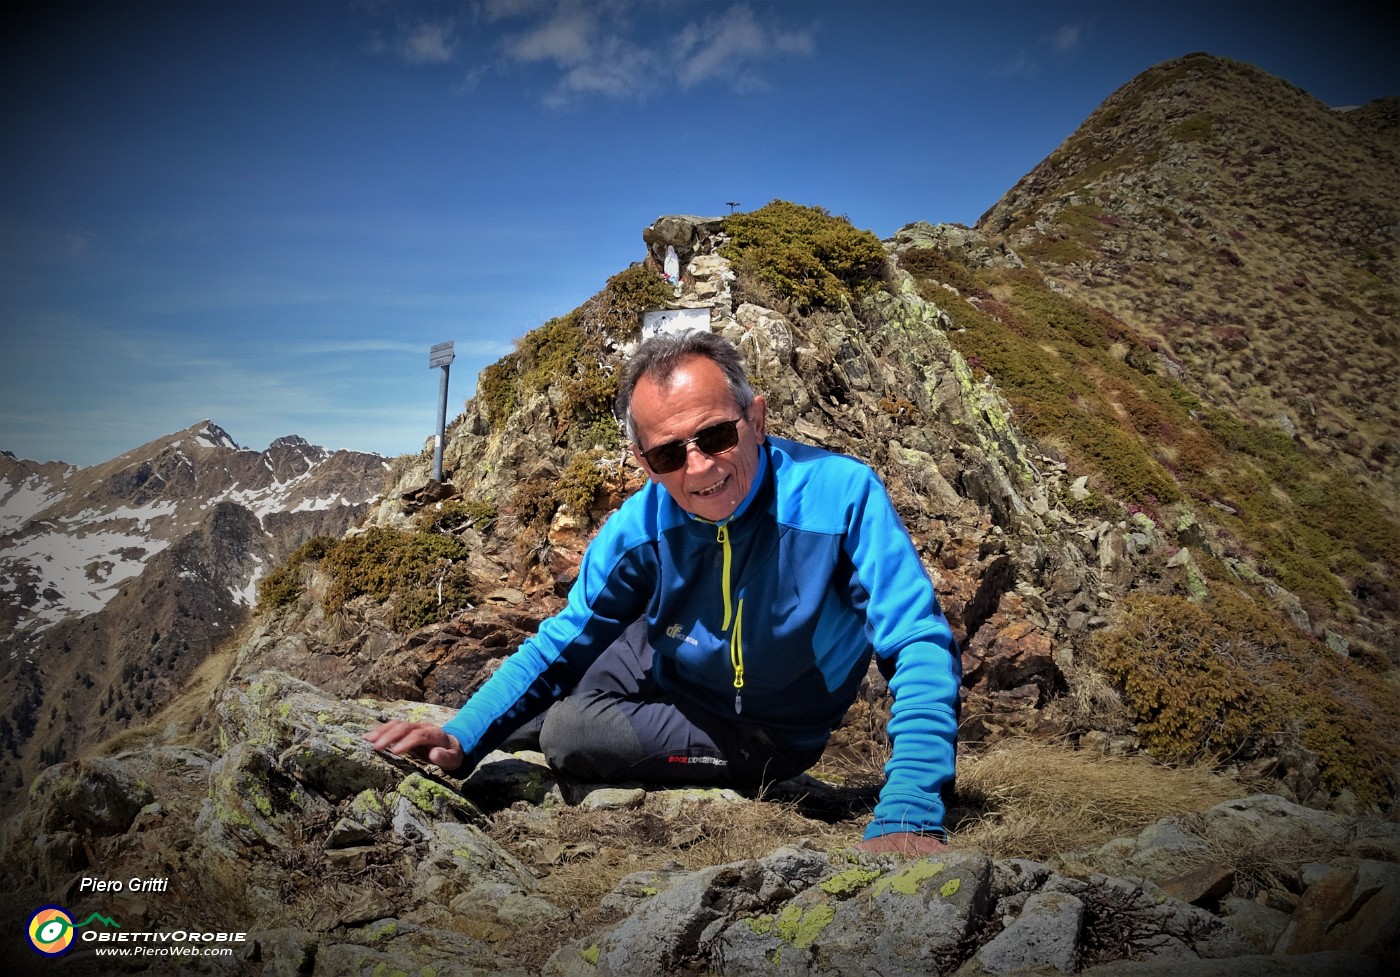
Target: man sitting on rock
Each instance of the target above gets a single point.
(724, 617)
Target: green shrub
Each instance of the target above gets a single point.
(805, 254)
(422, 576)
(1227, 678)
(628, 294)
(282, 586)
(537, 499)
(497, 392)
(454, 515)
(580, 483)
(551, 352)
(587, 409)
(533, 502)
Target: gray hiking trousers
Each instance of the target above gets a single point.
(619, 725)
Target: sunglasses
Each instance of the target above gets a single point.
(713, 440)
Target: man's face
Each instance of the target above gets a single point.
(697, 396)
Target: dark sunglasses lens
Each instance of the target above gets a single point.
(718, 438)
(665, 458)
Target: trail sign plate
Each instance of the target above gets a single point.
(440, 355)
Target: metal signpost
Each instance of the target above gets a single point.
(440, 355)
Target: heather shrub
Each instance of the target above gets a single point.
(806, 255)
(496, 392)
(568, 350)
(1227, 679)
(422, 576)
(587, 408)
(536, 499)
(282, 586)
(455, 515)
(628, 294)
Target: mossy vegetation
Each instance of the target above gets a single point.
(629, 293)
(806, 255)
(537, 499)
(1224, 678)
(455, 515)
(283, 585)
(421, 575)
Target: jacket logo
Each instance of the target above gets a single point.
(674, 631)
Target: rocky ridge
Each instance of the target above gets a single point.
(1175, 206)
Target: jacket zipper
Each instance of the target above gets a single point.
(736, 614)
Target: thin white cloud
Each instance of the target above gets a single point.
(424, 42)
(78, 242)
(1067, 39)
(1064, 41)
(599, 49)
(567, 38)
(495, 10)
(1020, 66)
(429, 44)
(732, 46)
(621, 70)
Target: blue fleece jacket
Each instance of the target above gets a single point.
(771, 615)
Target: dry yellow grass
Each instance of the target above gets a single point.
(1021, 799)
(1032, 799)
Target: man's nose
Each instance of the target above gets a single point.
(695, 459)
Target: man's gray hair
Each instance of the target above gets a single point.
(659, 357)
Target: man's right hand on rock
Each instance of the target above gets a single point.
(422, 741)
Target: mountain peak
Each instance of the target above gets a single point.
(210, 435)
(1245, 230)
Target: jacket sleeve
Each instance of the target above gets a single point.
(610, 593)
(908, 629)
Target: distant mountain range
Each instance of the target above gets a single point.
(116, 580)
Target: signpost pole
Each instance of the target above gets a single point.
(442, 424)
(440, 355)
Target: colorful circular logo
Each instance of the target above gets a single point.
(51, 931)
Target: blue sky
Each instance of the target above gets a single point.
(266, 213)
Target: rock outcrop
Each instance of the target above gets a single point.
(334, 859)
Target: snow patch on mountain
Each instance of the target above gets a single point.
(23, 498)
(71, 538)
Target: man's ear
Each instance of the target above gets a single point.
(758, 416)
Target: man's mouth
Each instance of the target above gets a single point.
(712, 489)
